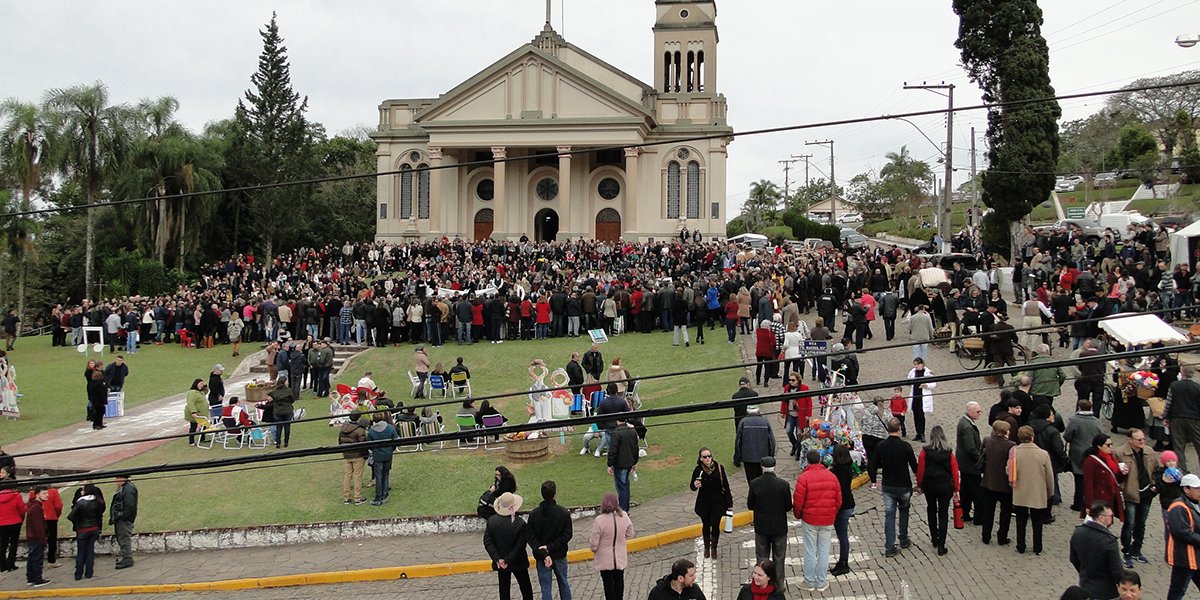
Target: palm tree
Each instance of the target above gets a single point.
(24, 141)
(902, 181)
(93, 137)
(763, 201)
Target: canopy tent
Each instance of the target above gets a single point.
(1140, 329)
(1185, 245)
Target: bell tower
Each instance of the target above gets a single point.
(685, 46)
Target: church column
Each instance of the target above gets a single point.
(499, 207)
(566, 212)
(437, 223)
(632, 185)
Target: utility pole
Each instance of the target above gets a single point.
(804, 157)
(974, 185)
(787, 166)
(832, 185)
(943, 220)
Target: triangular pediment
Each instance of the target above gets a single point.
(528, 85)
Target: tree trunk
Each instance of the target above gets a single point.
(1015, 232)
(182, 223)
(161, 232)
(237, 219)
(89, 248)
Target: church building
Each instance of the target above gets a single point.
(554, 143)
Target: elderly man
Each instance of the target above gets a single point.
(754, 441)
(1094, 554)
(968, 449)
(1082, 428)
(1182, 413)
(770, 498)
(1138, 491)
(920, 331)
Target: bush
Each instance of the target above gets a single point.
(131, 274)
(736, 226)
(995, 234)
(802, 228)
(778, 233)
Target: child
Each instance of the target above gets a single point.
(899, 406)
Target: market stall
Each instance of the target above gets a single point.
(1136, 329)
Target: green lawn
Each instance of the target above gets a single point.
(55, 394)
(450, 481)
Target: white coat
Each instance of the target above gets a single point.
(926, 395)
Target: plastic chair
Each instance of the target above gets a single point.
(229, 434)
(207, 430)
(467, 423)
(416, 383)
(492, 421)
(437, 384)
(460, 385)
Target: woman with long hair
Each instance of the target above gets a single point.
(795, 412)
(937, 477)
(611, 529)
(843, 469)
(763, 584)
(713, 498)
(1102, 476)
(792, 360)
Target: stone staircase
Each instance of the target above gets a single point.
(1166, 190)
(342, 355)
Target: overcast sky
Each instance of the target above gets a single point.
(781, 62)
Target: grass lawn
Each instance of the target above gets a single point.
(55, 393)
(449, 481)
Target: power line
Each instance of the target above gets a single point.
(730, 135)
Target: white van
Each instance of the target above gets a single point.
(1120, 222)
(753, 240)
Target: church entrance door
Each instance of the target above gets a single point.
(483, 224)
(545, 225)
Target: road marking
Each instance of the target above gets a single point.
(706, 573)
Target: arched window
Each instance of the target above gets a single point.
(405, 192)
(672, 190)
(423, 192)
(693, 190)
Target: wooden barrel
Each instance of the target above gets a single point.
(528, 450)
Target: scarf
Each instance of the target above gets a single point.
(761, 593)
(1110, 462)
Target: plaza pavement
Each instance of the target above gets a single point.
(970, 571)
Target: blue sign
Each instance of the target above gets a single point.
(816, 346)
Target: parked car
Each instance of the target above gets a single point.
(848, 231)
(752, 240)
(1104, 180)
(1120, 222)
(1064, 185)
(852, 218)
(816, 243)
(1175, 222)
(821, 218)
(855, 241)
(1091, 229)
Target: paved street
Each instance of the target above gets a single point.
(970, 571)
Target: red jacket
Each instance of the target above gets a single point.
(1100, 483)
(764, 345)
(804, 406)
(818, 496)
(35, 524)
(12, 507)
(52, 506)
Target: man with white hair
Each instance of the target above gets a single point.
(968, 448)
(754, 441)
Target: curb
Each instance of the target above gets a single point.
(376, 574)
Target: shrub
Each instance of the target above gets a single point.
(995, 234)
(778, 233)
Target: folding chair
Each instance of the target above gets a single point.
(228, 435)
(460, 385)
(416, 383)
(437, 385)
(432, 428)
(492, 421)
(206, 430)
(467, 423)
(407, 429)
(258, 438)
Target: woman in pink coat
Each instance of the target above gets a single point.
(611, 529)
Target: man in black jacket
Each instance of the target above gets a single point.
(504, 539)
(593, 362)
(575, 374)
(549, 534)
(968, 449)
(1182, 413)
(122, 513)
(622, 459)
(679, 583)
(771, 500)
(898, 462)
(754, 442)
(1095, 553)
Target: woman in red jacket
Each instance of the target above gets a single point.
(1102, 476)
(764, 350)
(795, 412)
(731, 318)
(12, 514)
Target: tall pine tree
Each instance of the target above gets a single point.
(272, 143)
(1005, 54)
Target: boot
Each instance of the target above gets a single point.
(714, 550)
(706, 552)
(839, 569)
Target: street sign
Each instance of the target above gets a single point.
(1076, 212)
(816, 346)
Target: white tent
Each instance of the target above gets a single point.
(1135, 329)
(1181, 244)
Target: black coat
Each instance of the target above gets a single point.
(97, 394)
(505, 538)
(713, 497)
(771, 500)
(1095, 555)
(549, 526)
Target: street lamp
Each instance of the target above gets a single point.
(1187, 40)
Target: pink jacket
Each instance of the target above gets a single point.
(609, 534)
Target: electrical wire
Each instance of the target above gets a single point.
(1032, 102)
(1049, 328)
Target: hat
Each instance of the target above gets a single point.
(327, 340)
(218, 367)
(419, 348)
(767, 462)
(744, 381)
(1190, 480)
(509, 503)
(1168, 455)
(752, 409)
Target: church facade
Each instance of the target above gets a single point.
(554, 143)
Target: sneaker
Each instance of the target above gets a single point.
(1141, 558)
(894, 552)
(596, 453)
(824, 586)
(583, 451)
(905, 543)
(1128, 561)
(376, 503)
(40, 583)
(360, 502)
(346, 501)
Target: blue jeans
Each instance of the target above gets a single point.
(921, 351)
(816, 553)
(343, 333)
(621, 483)
(360, 327)
(313, 330)
(381, 471)
(790, 425)
(1133, 529)
(841, 526)
(464, 333)
(547, 575)
(893, 498)
(85, 553)
(131, 340)
(160, 330)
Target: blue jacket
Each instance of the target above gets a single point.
(382, 430)
(712, 298)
